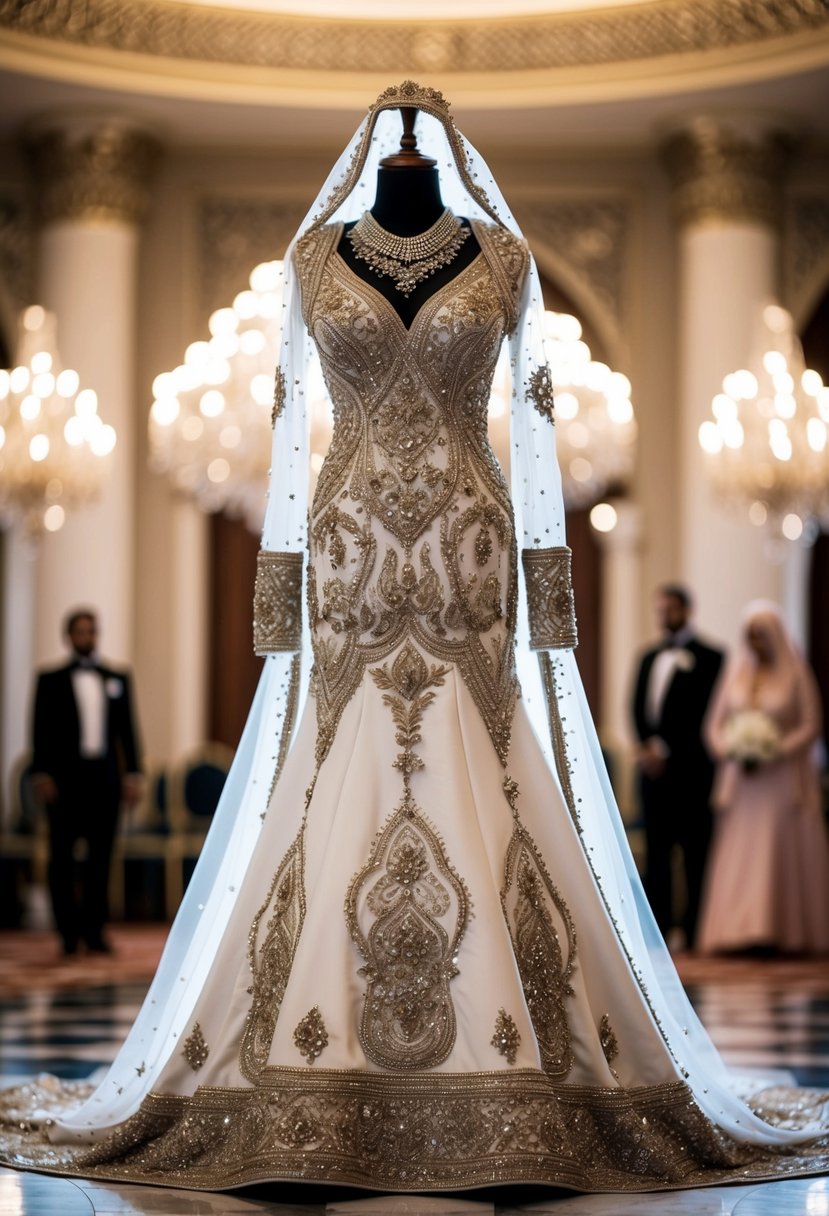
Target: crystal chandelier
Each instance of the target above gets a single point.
(53, 443)
(595, 424)
(210, 422)
(766, 447)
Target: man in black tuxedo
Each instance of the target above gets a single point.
(673, 689)
(86, 761)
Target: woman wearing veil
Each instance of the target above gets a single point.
(415, 954)
(767, 885)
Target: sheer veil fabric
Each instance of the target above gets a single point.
(551, 693)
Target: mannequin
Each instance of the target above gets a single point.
(407, 202)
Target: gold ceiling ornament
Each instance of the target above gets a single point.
(720, 173)
(767, 445)
(54, 446)
(588, 38)
(91, 169)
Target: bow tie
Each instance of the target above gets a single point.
(85, 665)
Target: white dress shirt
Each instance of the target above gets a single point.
(662, 672)
(91, 700)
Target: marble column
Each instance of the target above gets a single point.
(726, 174)
(92, 176)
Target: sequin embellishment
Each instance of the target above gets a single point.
(271, 947)
(544, 941)
(195, 1049)
(506, 1039)
(550, 598)
(310, 1036)
(277, 602)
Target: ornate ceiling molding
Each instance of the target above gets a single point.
(630, 34)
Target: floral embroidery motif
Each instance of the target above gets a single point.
(506, 1039)
(195, 1049)
(540, 392)
(550, 598)
(397, 922)
(310, 1036)
(408, 1019)
(271, 947)
(544, 941)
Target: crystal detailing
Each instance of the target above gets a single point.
(195, 1049)
(310, 1036)
(278, 394)
(277, 602)
(540, 392)
(506, 1039)
(608, 1040)
(539, 921)
(407, 261)
(408, 1019)
(413, 1133)
(410, 458)
(550, 598)
(271, 947)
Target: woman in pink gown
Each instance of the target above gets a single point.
(768, 877)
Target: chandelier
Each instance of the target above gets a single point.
(53, 443)
(766, 447)
(210, 422)
(595, 426)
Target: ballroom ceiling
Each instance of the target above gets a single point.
(521, 72)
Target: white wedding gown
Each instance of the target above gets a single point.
(420, 984)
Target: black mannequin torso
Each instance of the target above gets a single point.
(408, 202)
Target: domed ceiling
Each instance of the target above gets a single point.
(538, 71)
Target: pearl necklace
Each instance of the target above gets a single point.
(407, 260)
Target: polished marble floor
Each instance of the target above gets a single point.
(69, 1019)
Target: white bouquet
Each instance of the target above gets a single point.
(751, 738)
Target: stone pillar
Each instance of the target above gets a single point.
(726, 175)
(91, 177)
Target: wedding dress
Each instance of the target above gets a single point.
(415, 953)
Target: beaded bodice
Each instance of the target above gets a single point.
(411, 530)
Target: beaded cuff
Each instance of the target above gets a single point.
(277, 602)
(550, 598)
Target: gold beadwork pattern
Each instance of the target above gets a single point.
(311, 1036)
(437, 1131)
(195, 1049)
(550, 604)
(410, 461)
(544, 941)
(277, 602)
(540, 392)
(408, 1019)
(271, 947)
(608, 1040)
(506, 1039)
(278, 395)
